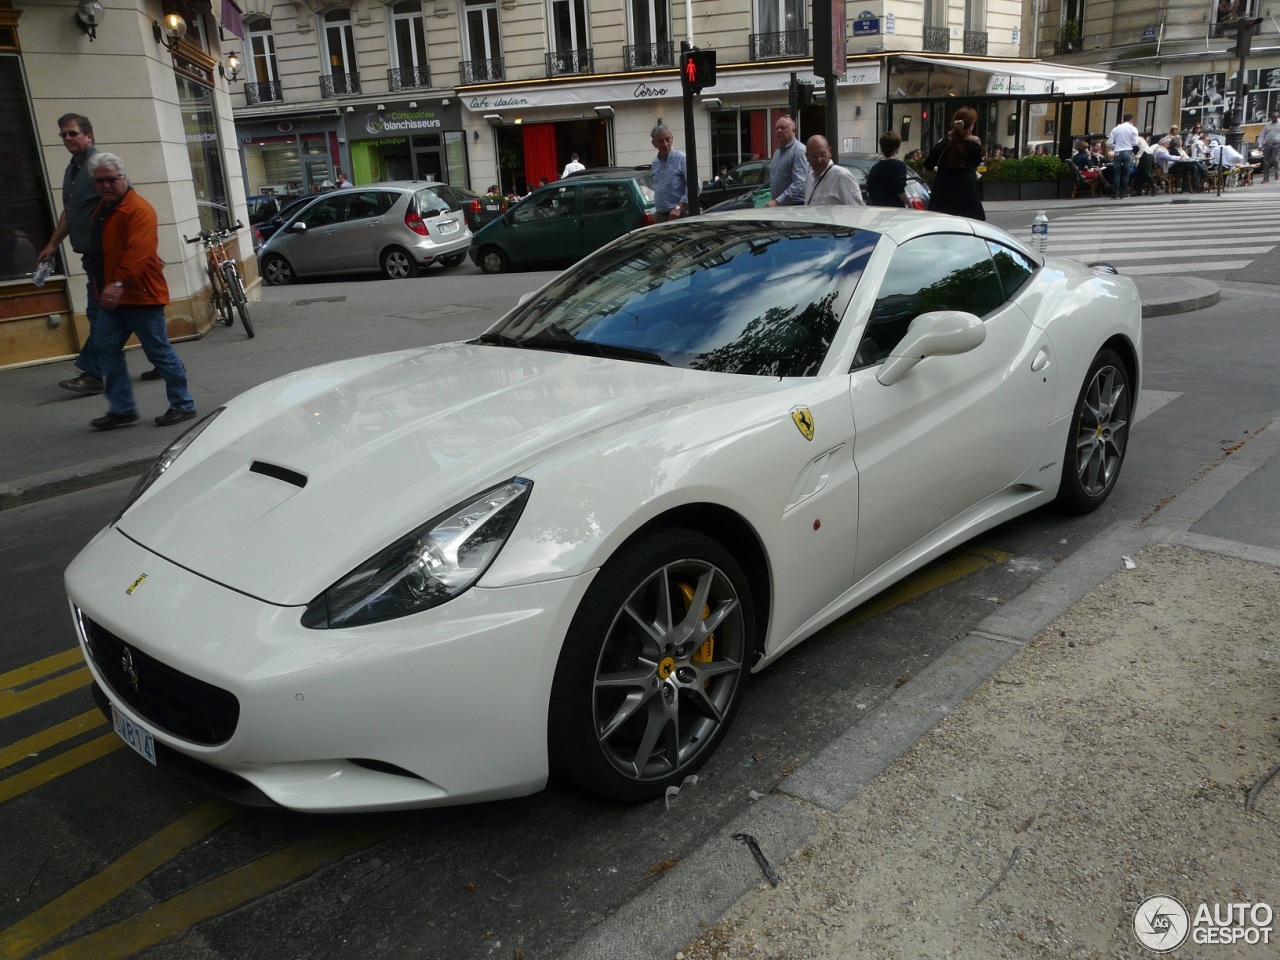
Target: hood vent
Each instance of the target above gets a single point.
(279, 473)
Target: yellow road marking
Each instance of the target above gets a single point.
(931, 578)
(48, 738)
(179, 914)
(83, 899)
(12, 702)
(41, 668)
(55, 767)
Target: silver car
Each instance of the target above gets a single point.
(393, 228)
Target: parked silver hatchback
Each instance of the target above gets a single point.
(396, 229)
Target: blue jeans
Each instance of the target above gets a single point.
(1120, 172)
(147, 323)
(89, 361)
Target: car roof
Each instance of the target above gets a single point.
(612, 173)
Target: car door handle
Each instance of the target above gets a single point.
(1041, 361)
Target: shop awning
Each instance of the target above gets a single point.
(232, 18)
(1032, 78)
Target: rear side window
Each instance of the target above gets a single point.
(550, 204)
(367, 203)
(604, 198)
(1014, 267)
(939, 272)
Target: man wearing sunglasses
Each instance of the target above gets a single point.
(79, 199)
(132, 295)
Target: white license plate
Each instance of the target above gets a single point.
(448, 226)
(140, 739)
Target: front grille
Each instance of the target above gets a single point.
(178, 704)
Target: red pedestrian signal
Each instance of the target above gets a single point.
(697, 70)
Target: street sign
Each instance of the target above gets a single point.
(867, 24)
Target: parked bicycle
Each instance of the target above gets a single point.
(224, 277)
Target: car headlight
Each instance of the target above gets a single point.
(427, 566)
(166, 458)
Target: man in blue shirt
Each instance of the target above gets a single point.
(670, 182)
(789, 167)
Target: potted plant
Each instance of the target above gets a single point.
(1000, 180)
(1069, 36)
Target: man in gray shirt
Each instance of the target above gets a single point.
(789, 167)
(1270, 140)
(79, 200)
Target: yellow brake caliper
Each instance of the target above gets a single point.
(706, 652)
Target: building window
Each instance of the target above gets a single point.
(650, 34)
(25, 221)
(483, 42)
(409, 66)
(1227, 14)
(263, 83)
(569, 28)
(339, 52)
(783, 30)
(204, 147)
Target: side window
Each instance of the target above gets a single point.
(365, 204)
(551, 205)
(323, 212)
(939, 272)
(1015, 268)
(604, 198)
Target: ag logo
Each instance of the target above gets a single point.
(804, 421)
(1161, 924)
(132, 588)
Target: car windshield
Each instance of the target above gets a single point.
(752, 297)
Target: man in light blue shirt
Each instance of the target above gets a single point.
(670, 182)
(789, 167)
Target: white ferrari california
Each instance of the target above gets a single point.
(558, 550)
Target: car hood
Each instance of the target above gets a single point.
(297, 482)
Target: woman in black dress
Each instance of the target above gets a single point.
(954, 163)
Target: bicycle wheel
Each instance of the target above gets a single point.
(239, 299)
(221, 299)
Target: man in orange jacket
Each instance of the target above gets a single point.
(132, 296)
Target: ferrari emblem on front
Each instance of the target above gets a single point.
(804, 421)
(135, 585)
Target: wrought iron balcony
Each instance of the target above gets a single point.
(568, 62)
(937, 39)
(262, 92)
(480, 71)
(975, 42)
(778, 46)
(643, 55)
(408, 78)
(339, 84)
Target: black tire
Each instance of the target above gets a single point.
(1099, 435)
(453, 259)
(276, 270)
(242, 308)
(635, 709)
(222, 303)
(398, 264)
(493, 260)
(238, 297)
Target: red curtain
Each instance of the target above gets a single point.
(539, 153)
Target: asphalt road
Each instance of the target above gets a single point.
(107, 857)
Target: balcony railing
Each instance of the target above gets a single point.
(643, 55)
(937, 39)
(408, 78)
(480, 71)
(975, 42)
(568, 63)
(267, 91)
(339, 84)
(777, 46)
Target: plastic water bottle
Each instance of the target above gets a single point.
(1040, 232)
(43, 271)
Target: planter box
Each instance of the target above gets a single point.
(992, 192)
(1038, 190)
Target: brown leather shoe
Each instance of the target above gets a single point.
(84, 385)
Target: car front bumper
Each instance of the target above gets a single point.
(442, 707)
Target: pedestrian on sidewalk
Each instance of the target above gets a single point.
(1123, 139)
(1270, 140)
(670, 177)
(954, 162)
(887, 180)
(788, 168)
(79, 200)
(828, 183)
(132, 295)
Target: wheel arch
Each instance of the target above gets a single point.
(1128, 353)
(730, 529)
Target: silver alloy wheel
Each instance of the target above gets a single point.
(669, 670)
(277, 271)
(1103, 430)
(398, 265)
(492, 261)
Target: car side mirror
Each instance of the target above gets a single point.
(941, 333)
(296, 227)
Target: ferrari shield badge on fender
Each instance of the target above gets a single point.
(135, 585)
(804, 421)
